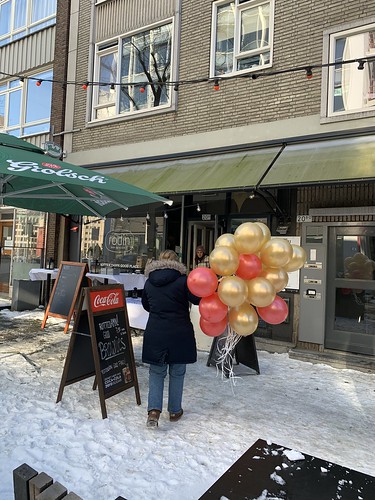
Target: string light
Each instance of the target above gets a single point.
(361, 64)
(22, 81)
(147, 216)
(112, 88)
(198, 207)
(175, 84)
(141, 89)
(165, 215)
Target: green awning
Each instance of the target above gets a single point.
(340, 160)
(224, 172)
(30, 179)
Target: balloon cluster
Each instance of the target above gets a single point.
(247, 270)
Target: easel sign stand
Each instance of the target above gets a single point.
(245, 352)
(101, 345)
(65, 292)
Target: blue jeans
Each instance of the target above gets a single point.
(157, 375)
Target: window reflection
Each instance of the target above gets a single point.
(355, 310)
(121, 243)
(355, 257)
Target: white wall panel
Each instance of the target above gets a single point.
(120, 16)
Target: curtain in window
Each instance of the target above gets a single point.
(5, 18)
(224, 39)
(20, 14)
(42, 9)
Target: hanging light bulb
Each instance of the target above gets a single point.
(38, 83)
(22, 81)
(309, 73)
(198, 207)
(85, 85)
(361, 64)
(121, 218)
(216, 84)
(165, 215)
(147, 216)
(112, 88)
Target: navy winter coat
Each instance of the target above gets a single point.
(169, 334)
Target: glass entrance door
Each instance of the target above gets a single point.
(199, 233)
(350, 320)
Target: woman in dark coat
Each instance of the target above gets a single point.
(169, 341)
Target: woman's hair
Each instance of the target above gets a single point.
(200, 247)
(168, 255)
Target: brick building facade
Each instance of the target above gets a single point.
(318, 137)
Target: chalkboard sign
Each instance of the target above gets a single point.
(65, 291)
(101, 344)
(245, 352)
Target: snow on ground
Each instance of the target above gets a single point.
(310, 408)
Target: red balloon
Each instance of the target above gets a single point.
(213, 329)
(202, 281)
(275, 313)
(250, 266)
(212, 309)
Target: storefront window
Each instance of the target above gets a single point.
(120, 243)
(28, 249)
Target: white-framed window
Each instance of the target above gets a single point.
(351, 90)
(19, 18)
(123, 65)
(242, 35)
(25, 108)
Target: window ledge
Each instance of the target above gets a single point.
(135, 116)
(349, 116)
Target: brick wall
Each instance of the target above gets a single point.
(298, 41)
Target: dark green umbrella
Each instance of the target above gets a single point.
(30, 179)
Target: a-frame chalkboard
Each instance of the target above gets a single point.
(245, 352)
(101, 345)
(69, 281)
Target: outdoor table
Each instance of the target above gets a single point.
(274, 471)
(129, 280)
(46, 275)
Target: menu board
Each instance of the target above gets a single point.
(113, 350)
(65, 291)
(102, 318)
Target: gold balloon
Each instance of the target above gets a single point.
(248, 237)
(243, 319)
(276, 252)
(260, 292)
(266, 232)
(225, 240)
(232, 291)
(224, 260)
(277, 276)
(298, 259)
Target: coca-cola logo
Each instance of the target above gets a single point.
(106, 300)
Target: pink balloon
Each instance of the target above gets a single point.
(202, 282)
(250, 266)
(212, 309)
(275, 313)
(213, 329)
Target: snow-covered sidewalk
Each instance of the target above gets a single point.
(311, 408)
